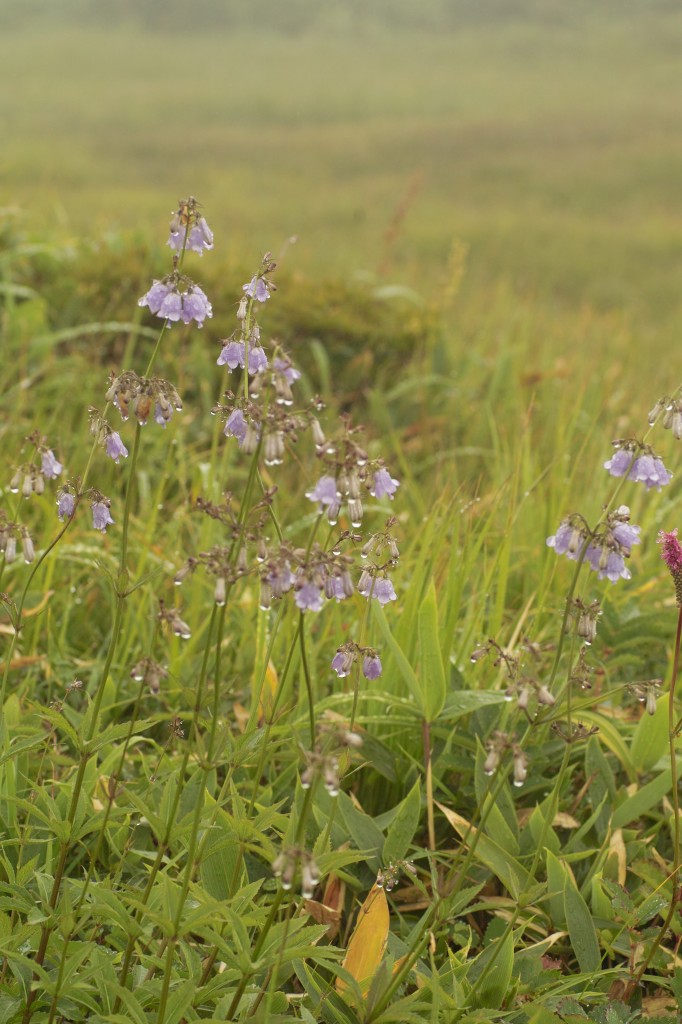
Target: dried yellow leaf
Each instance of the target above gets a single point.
(368, 941)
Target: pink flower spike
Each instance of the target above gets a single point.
(671, 552)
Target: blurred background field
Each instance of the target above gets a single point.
(545, 137)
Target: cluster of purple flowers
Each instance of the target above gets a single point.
(606, 549)
(166, 300)
(189, 230)
(99, 507)
(329, 493)
(233, 354)
(346, 656)
(30, 479)
(258, 288)
(639, 465)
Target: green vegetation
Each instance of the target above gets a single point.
(488, 217)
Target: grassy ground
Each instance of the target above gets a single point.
(551, 149)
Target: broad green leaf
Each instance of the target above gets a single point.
(644, 799)
(179, 1000)
(26, 744)
(365, 834)
(432, 672)
(650, 739)
(494, 965)
(463, 702)
(601, 903)
(557, 882)
(602, 787)
(403, 827)
(610, 735)
(222, 867)
(581, 930)
(539, 831)
(381, 758)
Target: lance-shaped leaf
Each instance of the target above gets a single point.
(367, 943)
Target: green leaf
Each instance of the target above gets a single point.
(581, 930)
(644, 799)
(179, 1001)
(497, 961)
(557, 883)
(364, 832)
(511, 873)
(222, 868)
(432, 672)
(403, 665)
(611, 737)
(381, 758)
(463, 702)
(650, 739)
(403, 826)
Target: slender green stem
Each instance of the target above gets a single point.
(308, 681)
(129, 498)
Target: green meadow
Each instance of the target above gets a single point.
(213, 806)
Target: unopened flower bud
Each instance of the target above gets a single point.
(288, 873)
(29, 550)
(220, 592)
(492, 762)
(587, 627)
(545, 697)
(182, 574)
(523, 698)
(250, 442)
(575, 540)
(317, 432)
(274, 449)
(478, 653)
(180, 628)
(278, 864)
(11, 549)
(265, 601)
(520, 768)
(355, 511)
(307, 883)
(656, 411)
